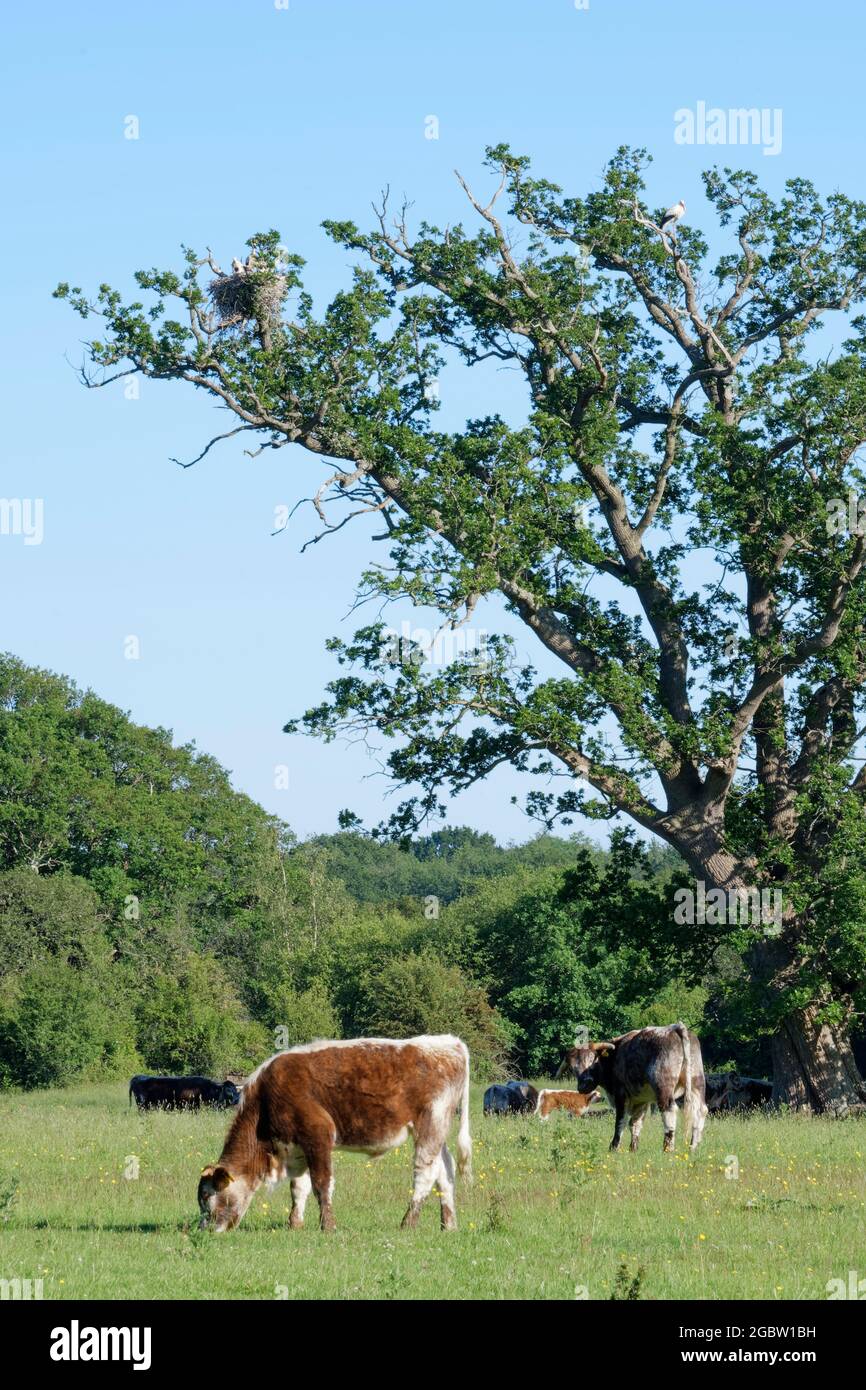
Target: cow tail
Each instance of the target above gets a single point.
(689, 1116)
(561, 1068)
(464, 1138)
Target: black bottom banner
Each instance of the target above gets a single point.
(240, 1338)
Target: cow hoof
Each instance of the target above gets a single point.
(295, 1223)
(448, 1222)
(410, 1221)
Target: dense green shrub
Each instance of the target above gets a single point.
(192, 1021)
(59, 1024)
(300, 1015)
(48, 916)
(416, 994)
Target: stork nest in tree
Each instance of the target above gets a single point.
(254, 295)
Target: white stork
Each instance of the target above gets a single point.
(672, 217)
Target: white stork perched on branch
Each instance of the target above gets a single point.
(672, 217)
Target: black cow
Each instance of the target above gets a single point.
(730, 1091)
(527, 1096)
(497, 1100)
(514, 1098)
(717, 1086)
(645, 1067)
(182, 1093)
(750, 1091)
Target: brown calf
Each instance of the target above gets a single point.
(571, 1101)
(365, 1095)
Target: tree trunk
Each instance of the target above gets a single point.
(813, 1064)
(814, 1067)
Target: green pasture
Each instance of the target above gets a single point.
(98, 1201)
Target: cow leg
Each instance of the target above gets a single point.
(700, 1121)
(322, 1181)
(620, 1123)
(301, 1189)
(445, 1182)
(668, 1109)
(637, 1118)
(426, 1171)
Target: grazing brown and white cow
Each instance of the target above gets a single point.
(365, 1095)
(573, 1102)
(648, 1066)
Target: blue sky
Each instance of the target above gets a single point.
(254, 117)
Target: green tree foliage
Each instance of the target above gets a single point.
(563, 952)
(443, 865)
(124, 855)
(85, 789)
(418, 993)
(190, 931)
(192, 1020)
(49, 916)
(303, 1014)
(150, 915)
(60, 1024)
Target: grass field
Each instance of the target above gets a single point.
(552, 1214)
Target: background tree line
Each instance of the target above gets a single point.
(153, 917)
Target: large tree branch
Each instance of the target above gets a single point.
(768, 676)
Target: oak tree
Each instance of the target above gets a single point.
(669, 520)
